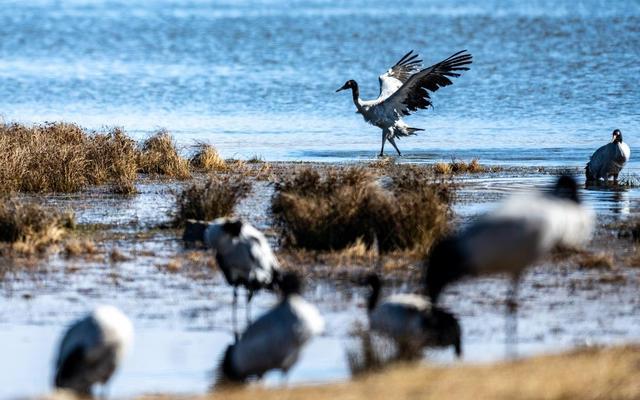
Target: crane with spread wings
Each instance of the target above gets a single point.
(404, 89)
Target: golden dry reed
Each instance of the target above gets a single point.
(159, 156)
(207, 158)
(61, 157)
(406, 210)
(64, 158)
(215, 198)
(28, 227)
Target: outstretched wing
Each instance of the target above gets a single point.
(414, 93)
(393, 79)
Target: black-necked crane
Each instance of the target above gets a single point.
(242, 252)
(508, 240)
(608, 160)
(91, 350)
(274, 341)
(411, 320)
(404, 89)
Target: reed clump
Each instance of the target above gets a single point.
(459, 167)
(207, 158)
(212, 199)
(28, 227)
(414, 212)
(159, 156)
(336, 210)
(113, 158)
(62, 157)
(596, 260)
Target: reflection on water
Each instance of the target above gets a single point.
(480, 194)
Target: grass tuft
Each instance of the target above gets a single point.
(459, 167)
(29, 227)
(206, 158)
(596, 260)
(62, 157)
(255, 159)
(216, 198)
(159, 156)
(344, 206)
(113, 159)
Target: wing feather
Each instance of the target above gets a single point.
(414, 93)
(398, 74)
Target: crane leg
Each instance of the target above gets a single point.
(234, 313)
(511, 321)
(393, 143)
(384, 137)
(249, 297)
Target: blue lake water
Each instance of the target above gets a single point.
(549, 82)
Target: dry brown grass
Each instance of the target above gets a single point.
(255, 159)
(113, 158)
(442, 168)
(382, 163)
(601, 259)
(216, 198)
(206, 158)
(61, 157)
(28, 228)
(334, 210)
(459, 167)
(586, 374)
(159, 156)
(79, 247)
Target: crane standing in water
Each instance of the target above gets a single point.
(404, 89)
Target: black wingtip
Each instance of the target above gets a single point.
(404, 58)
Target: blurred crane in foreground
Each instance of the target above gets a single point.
(91, 350)
(515, 235)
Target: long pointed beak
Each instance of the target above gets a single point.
(342, 88)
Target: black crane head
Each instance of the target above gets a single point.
(290, 283)
(232, 227)
(350, 84)
(566, 188)
(373, 281)
(616, 136)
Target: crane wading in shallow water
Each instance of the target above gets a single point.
(275, 340)
(242, 252)
(411, 321)
(608, 160)
(520, 232)
(404, 89)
